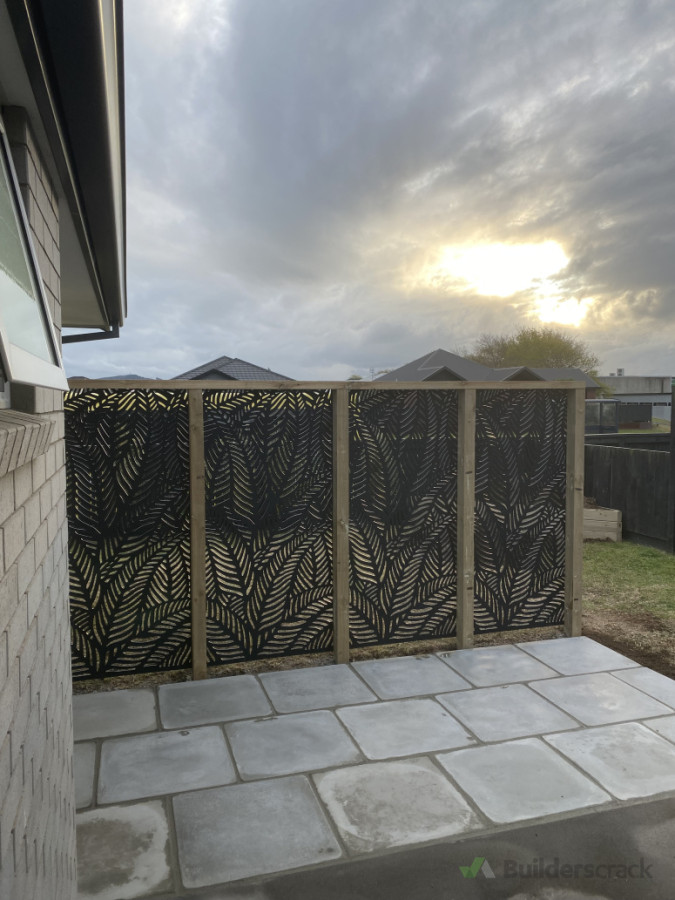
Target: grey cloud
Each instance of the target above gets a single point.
(291, 161)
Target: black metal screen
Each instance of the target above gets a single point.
(268, 523)
(268, 519)
(520, 509)
(127, 465)
(403, 461)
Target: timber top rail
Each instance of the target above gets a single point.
(77, 384)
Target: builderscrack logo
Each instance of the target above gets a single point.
(480, 864)
(541, 868)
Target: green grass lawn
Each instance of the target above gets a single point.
(629, 602)
(629, 577)
(659, 426)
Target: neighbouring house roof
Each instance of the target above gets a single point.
(444, 366)
(439, 366)
(229, 368)
(526, 373)
(63, 63)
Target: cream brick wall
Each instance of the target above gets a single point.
(37, 809)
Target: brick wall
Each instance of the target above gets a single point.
(37, 816)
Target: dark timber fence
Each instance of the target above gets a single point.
(213, 523)
(637, 482)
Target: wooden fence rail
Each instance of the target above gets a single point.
(466, 487)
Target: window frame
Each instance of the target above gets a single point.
(20, 365)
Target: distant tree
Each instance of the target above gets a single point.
(355, 377)
(535, 347)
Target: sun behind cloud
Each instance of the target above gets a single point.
(502, 270)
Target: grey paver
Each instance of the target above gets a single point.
(665, 727)
(213, 700)
(109, 713)
(235, 832)
(285, 745)
(519, 780)
(599, 698)
(390, 804)
(165, 762)
(84, 763)
(628, 759)
(322, 687)
(403, 728)
(653, 683)
(409, 676)
(576, 656)
(488, 666)
(122, 852)
(506, 711)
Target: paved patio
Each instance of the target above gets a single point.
(228, 780)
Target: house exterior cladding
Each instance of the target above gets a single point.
(62, 263)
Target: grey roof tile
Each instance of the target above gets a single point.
(232, 368)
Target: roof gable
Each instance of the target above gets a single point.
(428, 367)
(231, 369)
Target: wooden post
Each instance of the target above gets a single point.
(197, 535)
(341, 524)
(466, 491)
(574, 510)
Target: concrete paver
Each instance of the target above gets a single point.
(122, 852)
(403, 728)
(299, 690)
(388, 804)
(519, 780)
(652, 683)
(409, 676)
(109, 713)
(84, 764)
(488, 666)
(216, 700)
(664, 726)
(301, 793)
(639, 837)
(599, 698)
(507, 711)
(235, 832)
(576, 656)
(166, 762)
(284, 745)
(628, 759)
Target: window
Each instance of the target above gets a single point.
(30, 352)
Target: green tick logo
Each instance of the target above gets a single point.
(480, 864)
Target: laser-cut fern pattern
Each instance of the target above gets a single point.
(268, 472)
(403, 462)
(127, 468)
(268, 523)
(520, 509)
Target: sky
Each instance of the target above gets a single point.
(328, 187)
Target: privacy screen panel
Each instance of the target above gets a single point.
(268, 523)
(127, 471)
(520, 509)
(403, 462)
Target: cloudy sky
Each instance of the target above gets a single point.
(323, 187)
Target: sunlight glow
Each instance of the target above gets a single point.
(499, 270)
(569, 311)
(502, 270)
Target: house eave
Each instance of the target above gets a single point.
(73, 58)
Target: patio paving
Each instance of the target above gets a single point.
(226, 781)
